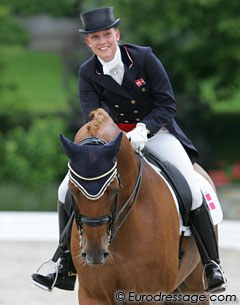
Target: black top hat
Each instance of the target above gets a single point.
(98, 19)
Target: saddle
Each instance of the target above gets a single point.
(177, 182)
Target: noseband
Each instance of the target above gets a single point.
(112, 217)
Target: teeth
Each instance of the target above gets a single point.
(104, 48)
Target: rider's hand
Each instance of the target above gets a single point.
(138, 136)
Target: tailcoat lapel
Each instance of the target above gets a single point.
(130, 75)
(107, 82)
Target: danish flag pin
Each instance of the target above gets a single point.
(140, 82)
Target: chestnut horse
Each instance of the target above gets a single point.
(125, 244)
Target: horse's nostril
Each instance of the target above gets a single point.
(106, 254)
(95, 258)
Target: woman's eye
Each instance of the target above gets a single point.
(94, 37)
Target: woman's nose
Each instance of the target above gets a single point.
(102, 40)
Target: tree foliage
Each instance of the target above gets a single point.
(33, 157)
(12, 38)
(11, 33)
(53, 7)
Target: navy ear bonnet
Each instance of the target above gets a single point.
(92, 164)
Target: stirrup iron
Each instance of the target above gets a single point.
(50, 261)
(220, 288)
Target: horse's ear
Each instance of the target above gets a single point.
(113, 147)
(71, 149)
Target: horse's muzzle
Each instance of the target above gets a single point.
(97, 257)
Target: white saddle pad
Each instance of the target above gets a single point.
(210, 197)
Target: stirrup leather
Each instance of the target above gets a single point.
(50, 261)
(219, 288)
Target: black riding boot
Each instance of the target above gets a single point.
(204, 234)
(65, 276)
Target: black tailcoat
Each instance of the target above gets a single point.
(145, 95)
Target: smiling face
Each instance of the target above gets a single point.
(104, 43)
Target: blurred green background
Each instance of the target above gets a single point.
(40, 52)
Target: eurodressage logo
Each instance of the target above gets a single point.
(132, 296)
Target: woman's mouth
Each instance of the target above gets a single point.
(103, 48)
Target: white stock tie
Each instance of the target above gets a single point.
(114, 68)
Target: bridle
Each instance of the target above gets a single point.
(115, 214)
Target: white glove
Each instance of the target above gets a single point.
(138, 136)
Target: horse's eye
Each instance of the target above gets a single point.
(112, 191)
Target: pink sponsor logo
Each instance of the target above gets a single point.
(211, 204)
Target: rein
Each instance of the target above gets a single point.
(133, 196)
(112, 217)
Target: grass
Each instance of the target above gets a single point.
(38, 77)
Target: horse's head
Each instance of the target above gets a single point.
(93, 182)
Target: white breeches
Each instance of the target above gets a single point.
(168, 148)
(62, 190)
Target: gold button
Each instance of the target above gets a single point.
(135, 111)
(143, 89)
(116, 106)
(122, 114)
(126, 121)
(137, 119)
(133, 102)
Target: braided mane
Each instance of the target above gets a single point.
(98, 116)
(101, 125)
